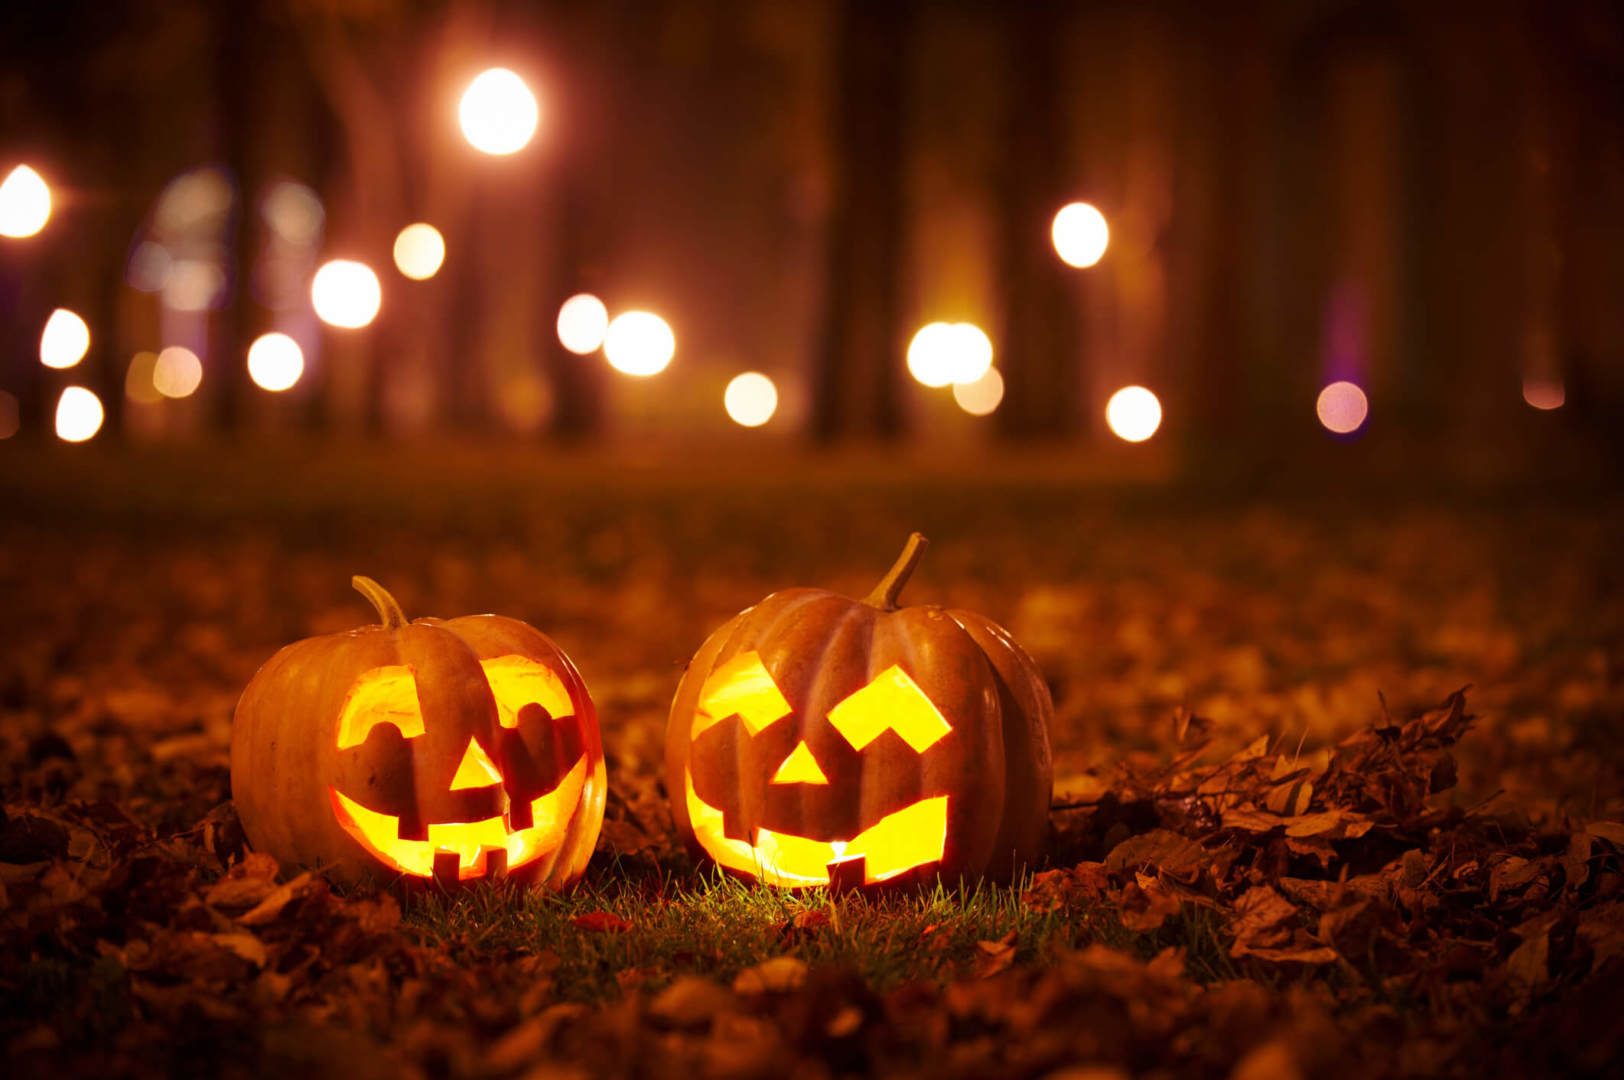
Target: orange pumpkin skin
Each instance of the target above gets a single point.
(961, 794)
(452, 750)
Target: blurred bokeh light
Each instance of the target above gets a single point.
(419, 251)
(78, 414)
(750, 399)
(1080, 234)
(193, 285)
(177, 372)
(639, 343)
(942, 353)
(293, 211)
(64, 341)
(148, 267)
(138, 385)
(10, 415)
(498, 112)
(582, 322)
(1544, 394)
(346, 294)
(25, 203)
(275, 362)
(980, 396)
(1342, 407)
(1133, 414)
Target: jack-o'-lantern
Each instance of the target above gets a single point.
(453, 750)
(821, 740)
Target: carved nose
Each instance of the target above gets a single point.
(477, 769)
(799, 768)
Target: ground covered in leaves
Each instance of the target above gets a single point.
(1339, 780)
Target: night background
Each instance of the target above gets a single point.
(1259, 366)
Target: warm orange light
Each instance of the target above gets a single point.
(517, 681)
(78, 414)
(419, 251)
(346, 294)
(890, 700)
(1133, 414)
(639, 343)
(582, 321)
(799, 768)
(942, 353)
(1080, 235)
(1342, 407)
(138, 379)
(982, 396)
(742, 686)
(177, 372)
(275, 362)
(911, 837)
(64, 341)
(294, 212)
(388, 695)
(498, 113)
(193, 284)
(25, 203)
(1544, 393)
(10, 415)
(477, 770)
(750, 399)
(471, 841)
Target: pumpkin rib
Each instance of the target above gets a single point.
(857, 620)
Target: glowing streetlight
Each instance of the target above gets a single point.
(64, 341)
(25, 203)
(346, 294)
(639, 343)
(981, 396)
(498, 112)
(1342, 408)
(1133, 414)
(275, 362)
(419, 251)
(1080, 234)
(750, 399)
(582, 321)
(177, 372)
(78, 414)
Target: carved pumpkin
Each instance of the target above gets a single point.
(455, 750)
(817, 739)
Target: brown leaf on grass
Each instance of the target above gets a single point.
(1529, 963)
(376, 915)
(305, 886)
(691, 1002)
(248, 883)
(1146, 904)
(994, 956)
(778, 975)
(1053, 889)
(1610, 831)
(1254, 821)
(1168, 851)
(600, 922)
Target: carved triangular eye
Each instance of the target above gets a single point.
(799, 768)
(477, 769)
(890, 700)
(743, 687)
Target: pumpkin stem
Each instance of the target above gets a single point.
(885, 593)
(388, 607)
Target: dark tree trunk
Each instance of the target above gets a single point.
(861, 351)
(1041, 365)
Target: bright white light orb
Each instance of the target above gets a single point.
(1080, 235)
(25, 203)
(982, 396)
(639, 343)
(750, 399)
(177, 372)
(582, 321)
(64, 341)
(346, 294)
(930, 354)
(1133, 414)
(275, 362)
(78, 414)
(419, 251)
(1342, 408)
(972, 352)
(498, 112)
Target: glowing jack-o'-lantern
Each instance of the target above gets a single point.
(451, 750)
(819, 740)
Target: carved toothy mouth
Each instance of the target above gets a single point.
(908, 838)
(471, 841)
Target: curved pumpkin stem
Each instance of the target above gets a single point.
(388, 607)
(885, 593)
